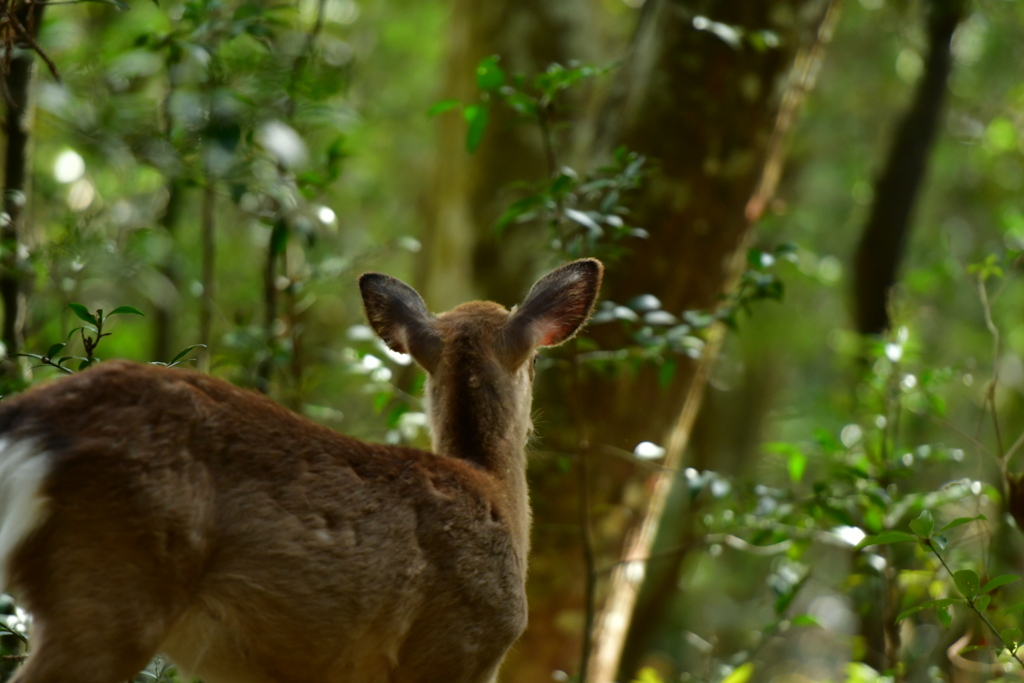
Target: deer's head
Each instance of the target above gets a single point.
(479, 356)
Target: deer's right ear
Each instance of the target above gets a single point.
(398, 315)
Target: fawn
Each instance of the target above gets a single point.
(148, 510)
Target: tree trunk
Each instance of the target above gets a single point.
(896, 190)
(705, 112)
(462, 256)
(698, 95)
(13, 230)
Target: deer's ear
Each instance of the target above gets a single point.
(398, 315)
(554, 310)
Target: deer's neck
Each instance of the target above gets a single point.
(482, 421)
(470, 422)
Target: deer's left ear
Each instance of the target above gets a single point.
(554, 310)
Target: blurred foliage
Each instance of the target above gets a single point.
(870, 533)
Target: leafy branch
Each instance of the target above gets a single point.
(584, 215)
(533, 101)
(975, 595)
(19, 26)
(95, 322)
(181, 357)
(4, 628)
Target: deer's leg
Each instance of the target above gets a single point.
(91, 652)
(102, 600)
(93, 627)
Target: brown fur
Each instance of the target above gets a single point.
(188, 516)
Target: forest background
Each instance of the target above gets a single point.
(783, 450)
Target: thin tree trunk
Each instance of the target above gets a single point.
(294, 316)
(13, 229)
(208, 275)
(897, 188)
(610, 636)
(164, 315)
(275, 248)
(295, 397)
(164, 303)
(727, 438)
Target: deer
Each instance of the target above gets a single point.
(149, 510)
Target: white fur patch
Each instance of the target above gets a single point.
(23, 507)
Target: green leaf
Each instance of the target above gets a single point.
(83, 313)
(443, 106)
(517, 210)
(998, 581)
(981, 602)
(1011, 635)
(648, 674)
(489, 75)
(973, 648)
(55, 349)
(564, 183)
(310, 179)
(966, 582)
(806, 620)
(986, 269)
(1014, 608)
(937, 604)
(610, 202)
(583, 219)
(944, 617)
(666, 372)
(247, 11)
(185, 352)
(122, 7)
(126, 310)
(741, 674)
(7, 629)
(395, 415)
(923, 525)
(786, 599)
(960, 521)
(698, 319)
(886, 538)
(521, 103)
(476, 116)
(797, 463)
(86, 363)
(278, 238)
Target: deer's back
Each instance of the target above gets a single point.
(266, 532)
